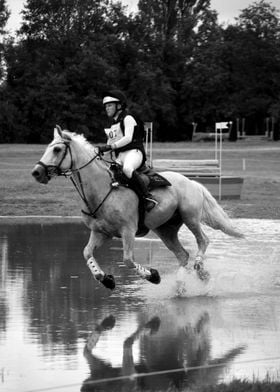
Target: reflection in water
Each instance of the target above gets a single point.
(4, 269)
(162, 349)
(50, 304)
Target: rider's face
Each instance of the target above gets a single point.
(111, 109)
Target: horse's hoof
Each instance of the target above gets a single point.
(203, 274)
(108, 323)
(198, 265)
(108, 281)
(154, 277)
(153, 324)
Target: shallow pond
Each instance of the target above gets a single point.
(61, 330)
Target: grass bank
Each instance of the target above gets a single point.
(258, 162)
(243, 386)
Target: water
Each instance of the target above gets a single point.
(60, 328)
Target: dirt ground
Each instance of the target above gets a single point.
(256, 160)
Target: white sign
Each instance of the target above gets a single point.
(222, 125)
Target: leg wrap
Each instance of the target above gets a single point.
(95, 269)
(142, 271)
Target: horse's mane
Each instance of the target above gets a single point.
(79, 139)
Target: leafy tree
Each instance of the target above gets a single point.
(172, 58)
(165, 33)
(252, 49)
(63, 62)
(4, 16)
(205, 83)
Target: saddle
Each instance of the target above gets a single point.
(152, 180)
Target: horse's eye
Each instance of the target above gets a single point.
(57, 150)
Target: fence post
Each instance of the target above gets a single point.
(148, 126)
(219, 127)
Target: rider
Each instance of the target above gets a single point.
(124, 138)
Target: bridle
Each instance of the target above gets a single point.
(55, 170)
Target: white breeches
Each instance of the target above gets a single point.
(130, 161)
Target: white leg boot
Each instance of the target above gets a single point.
(95, 269)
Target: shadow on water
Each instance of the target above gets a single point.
(58, 326)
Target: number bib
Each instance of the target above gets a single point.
(114, 133)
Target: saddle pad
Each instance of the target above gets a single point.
(156, 181)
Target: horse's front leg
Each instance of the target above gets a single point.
(151, 327)
(150, 274)
(95, 241)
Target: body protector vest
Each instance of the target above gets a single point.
(116, 131)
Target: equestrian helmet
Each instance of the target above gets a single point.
(115, 96)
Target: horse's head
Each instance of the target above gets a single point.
(56, 159)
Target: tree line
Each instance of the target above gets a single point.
(176, 63)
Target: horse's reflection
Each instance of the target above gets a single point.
(160, 352)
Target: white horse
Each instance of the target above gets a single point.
(110, 210)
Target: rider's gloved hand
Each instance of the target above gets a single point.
(104, 148)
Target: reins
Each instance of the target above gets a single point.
(82, 195)
(80, 188)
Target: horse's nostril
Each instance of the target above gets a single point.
(35, 173)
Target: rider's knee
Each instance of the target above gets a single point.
(128, 171)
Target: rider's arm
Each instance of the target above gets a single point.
(129, 124)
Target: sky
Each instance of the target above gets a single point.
(227, 9)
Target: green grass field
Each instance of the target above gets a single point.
(21, 195)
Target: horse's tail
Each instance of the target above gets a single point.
(214, 216)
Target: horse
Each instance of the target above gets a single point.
(111, 210)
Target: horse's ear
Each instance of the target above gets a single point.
(58, 131)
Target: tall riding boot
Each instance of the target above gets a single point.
(141, 189)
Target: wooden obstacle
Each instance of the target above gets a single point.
(206, 171)
(190, 168)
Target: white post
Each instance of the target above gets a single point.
(146, 137)
(267, 133)
(216, 141)
(151, 145)
(194, 124)
(220, 126)
(149, 141)
(220, 176)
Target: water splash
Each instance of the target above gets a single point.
(187, 284)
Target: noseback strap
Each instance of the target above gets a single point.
(43, 165)
(52, 170)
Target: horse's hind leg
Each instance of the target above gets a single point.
(169, 236)
(150, 274)
(95, 241)
(202, 242)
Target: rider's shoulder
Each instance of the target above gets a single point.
(129, 119)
